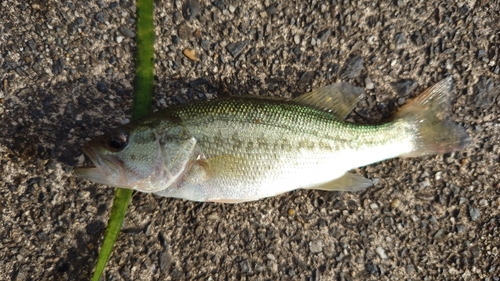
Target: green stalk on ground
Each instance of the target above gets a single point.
(143, 94)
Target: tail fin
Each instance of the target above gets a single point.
(427, 113)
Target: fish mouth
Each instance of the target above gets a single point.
(92, 167)
(102, 169)
(91, 159)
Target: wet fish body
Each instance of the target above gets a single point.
(246, 148)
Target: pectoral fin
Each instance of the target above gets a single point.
(347, 182)
(204, 169)
(339, 98)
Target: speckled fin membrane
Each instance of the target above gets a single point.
(339, 98)
(347, 182)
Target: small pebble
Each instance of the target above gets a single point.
(245, 266)
(213, 217)
(483, 203)
(205, 44)
(236, 48)
(191, 9)
(410, 269)
(101, 17)
(381, 253)
(403, 87)
(184, 31)
(316, 246)
(352, 68)
(425, 196)
(191, 54)
(369, 84)
(371, 268)
(461, 228)
(395, 203)
(324, 35)
(296, 39)
(425, 183)
(399, 39)
(126, 32)
(102, 87)
(165, 261)
(291, 212)
(474, 213)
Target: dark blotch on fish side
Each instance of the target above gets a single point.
(236, 48)
(404, 87)
(352, 68)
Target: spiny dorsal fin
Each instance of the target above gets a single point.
(347, 182)
(339, 98)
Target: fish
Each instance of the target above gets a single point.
(244, 148)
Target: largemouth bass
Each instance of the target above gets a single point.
(242, 149)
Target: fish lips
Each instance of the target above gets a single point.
(103, 170)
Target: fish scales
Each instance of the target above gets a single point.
(246, 148)
(280, 145)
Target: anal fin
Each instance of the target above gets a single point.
(347, 182)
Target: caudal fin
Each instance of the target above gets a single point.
(426, 114)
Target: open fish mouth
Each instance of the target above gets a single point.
(90, 159)
(91, 167)
(103, 169)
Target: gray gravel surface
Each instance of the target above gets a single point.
(65, 76)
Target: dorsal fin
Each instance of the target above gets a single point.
(339, 98)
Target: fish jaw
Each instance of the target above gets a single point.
(104, 171)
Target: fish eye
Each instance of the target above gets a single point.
(117, 141)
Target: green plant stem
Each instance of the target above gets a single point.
(143, 94)
(144, 67)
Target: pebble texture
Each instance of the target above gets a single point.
(66, 73)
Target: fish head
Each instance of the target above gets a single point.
(149, 156)
(127, 157)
